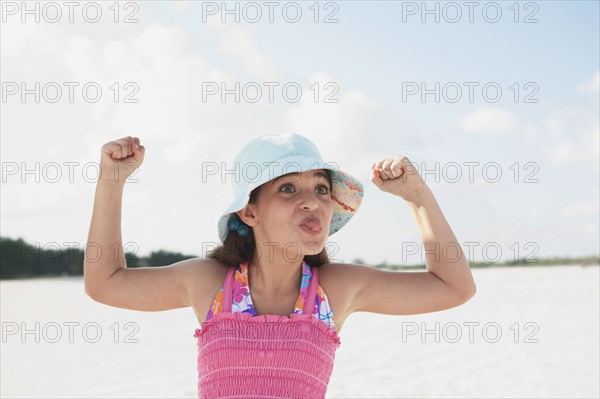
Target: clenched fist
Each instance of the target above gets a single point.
(120, 158)
(397, 175)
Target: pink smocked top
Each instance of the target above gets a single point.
(243, 355)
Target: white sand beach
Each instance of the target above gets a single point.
(535, 333)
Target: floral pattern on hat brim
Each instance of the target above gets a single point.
(347, 194)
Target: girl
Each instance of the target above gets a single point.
(269, 301)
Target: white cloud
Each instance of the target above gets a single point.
(179, 131)
(116, 54)
(570, 135)
(342, 131)
(181, 6)
(592, 85)
(587, 208)
(162, 46)
(489, 120)
(82, 58)
(237, 41)
(563, 152)
(480, 182)
(178, 150)
(16, 37)
(530, 132)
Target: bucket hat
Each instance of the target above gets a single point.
(269, 156)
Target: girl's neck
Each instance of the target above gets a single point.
(277, 280)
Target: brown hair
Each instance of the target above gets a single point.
(237, 249)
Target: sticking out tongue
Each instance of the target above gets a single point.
(314, 225)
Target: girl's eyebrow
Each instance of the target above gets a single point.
(323, 175)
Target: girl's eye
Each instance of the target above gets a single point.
(326, 189)
(321, 186)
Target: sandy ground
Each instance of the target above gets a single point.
(528, 332)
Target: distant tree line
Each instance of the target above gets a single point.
(593, 260)
(19, 259)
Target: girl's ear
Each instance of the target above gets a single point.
(247, 216)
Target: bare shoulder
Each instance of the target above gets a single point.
(341, 284)
(343, 274)
(206, 278)
(204, 275)
(205, 267)
(342, 271)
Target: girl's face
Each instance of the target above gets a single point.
(283, 204)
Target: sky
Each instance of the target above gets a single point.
(391, 80)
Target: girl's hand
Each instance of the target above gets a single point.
(120, 158)
(398, 176)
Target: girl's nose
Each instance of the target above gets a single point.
(309, 201)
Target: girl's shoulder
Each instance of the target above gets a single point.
(336, 275)
(208, 276)
(340, 284)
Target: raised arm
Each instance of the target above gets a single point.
(106, 277)
(448, 281)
